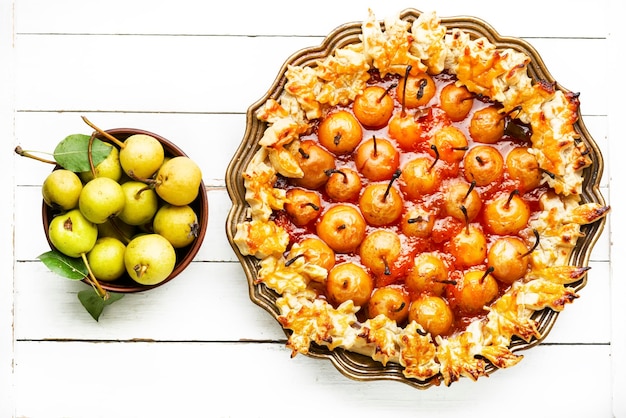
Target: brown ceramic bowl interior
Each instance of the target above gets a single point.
(184, 256)
(354, 365)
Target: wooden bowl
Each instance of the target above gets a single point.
(185, 255)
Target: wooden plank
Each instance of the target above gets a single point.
(585, 318)
(7, 187)
(207, 302)
(148, 73)
(207, 282)
(210, 139)
(280, 17)
(210, 302)
(46, 307)
(205, 74)
(30, 239)
(247, 379)
(617, 149)
(209, 288)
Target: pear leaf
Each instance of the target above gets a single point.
(63, 265)
(72, 152)
(94, 303)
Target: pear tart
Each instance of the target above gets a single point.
(416, 196)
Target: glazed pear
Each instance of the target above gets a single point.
(141, 203)
(141, 156)
(72, 234)
(178, 224)
(149, 259)
(101, 198)
(61, 189)
(178, 181)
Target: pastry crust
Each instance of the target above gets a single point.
(501, 75)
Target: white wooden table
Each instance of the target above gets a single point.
(188, 70)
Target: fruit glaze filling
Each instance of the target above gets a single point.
(415, 198)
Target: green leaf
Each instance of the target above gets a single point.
(63, 265)
(72, 152)
(94, 303)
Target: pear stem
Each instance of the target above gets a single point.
(119, 231)
(151, 182)
(406, 76)
(89, 155)
(534, 247)
(105, 134)
(140, 270)
(386, 92)
(436, 151)
(92, 279)
(19, 151)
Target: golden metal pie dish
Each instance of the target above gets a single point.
(359, 366)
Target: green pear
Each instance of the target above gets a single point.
(106, 259)
(178, 181)
(149, 259)
(110, 167)
(141, 203)
(72, 234)
(141, 156)
(116, 229)
(178, 224)
(101, 198)
(61, 189)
